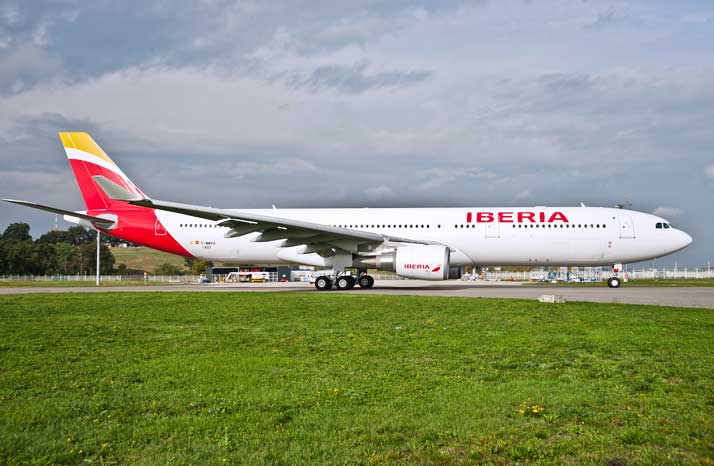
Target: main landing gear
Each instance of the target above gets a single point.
(343, 282)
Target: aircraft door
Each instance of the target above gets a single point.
(627, 228)
(493, 230)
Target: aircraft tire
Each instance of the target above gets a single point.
(345, 282)
(366, 281)
(614, 282)
(323, 283)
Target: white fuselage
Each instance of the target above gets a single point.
(480, 236)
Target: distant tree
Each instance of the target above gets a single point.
(55, 237)
(122, 269)
(43, 260)
(66, 259)
(88, 259)
(197, 266)
(79, 235)
(168, 269)
(18, 257)
(17, 232)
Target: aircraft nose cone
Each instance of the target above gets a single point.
(684, 240)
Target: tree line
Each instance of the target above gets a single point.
(71, 252)
(67, 252)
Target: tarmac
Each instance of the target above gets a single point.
(701, 297)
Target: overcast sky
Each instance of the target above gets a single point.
(371, 103)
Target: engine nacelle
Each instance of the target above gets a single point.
(423, 262)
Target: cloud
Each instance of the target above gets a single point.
(522, 195)
(379, 193)
(434, 178)
(24, 65)
(668, 211)
(709, 171)
(354, 79)
(91, 39)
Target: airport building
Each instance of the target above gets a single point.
(255, 274)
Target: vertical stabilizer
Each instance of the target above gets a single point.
(88, 160)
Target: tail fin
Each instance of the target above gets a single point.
(88, 160)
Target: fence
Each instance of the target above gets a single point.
(104, 278)
(601, 274)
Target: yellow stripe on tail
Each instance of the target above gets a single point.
(85, 143)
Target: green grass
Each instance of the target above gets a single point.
(278, 378)
(644, 282)
(148, 259)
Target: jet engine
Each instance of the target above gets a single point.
(424, 262)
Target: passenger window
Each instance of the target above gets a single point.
(659, 225)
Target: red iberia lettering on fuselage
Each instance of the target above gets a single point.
(516, 217)
(425, 267)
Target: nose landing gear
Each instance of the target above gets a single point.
(615, 281)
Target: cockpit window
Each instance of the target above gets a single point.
(659, 225)
(666, 225)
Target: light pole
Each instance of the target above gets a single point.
(98, 248)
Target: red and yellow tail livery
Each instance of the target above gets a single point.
(89, 160)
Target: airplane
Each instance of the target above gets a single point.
(418, 243)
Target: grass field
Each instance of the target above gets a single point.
(148, 259)
(147, 379)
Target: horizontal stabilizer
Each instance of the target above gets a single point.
(105, 223)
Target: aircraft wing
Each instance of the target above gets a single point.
(319, 238)
(323, 239)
